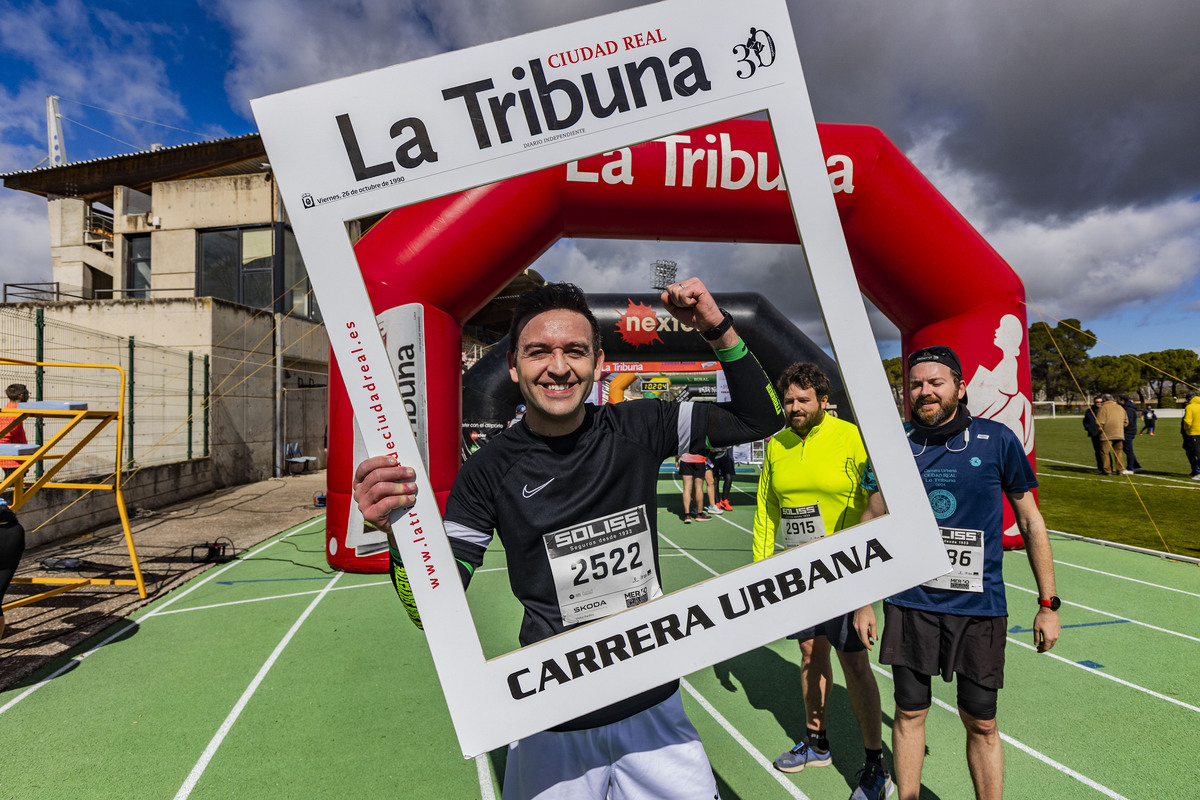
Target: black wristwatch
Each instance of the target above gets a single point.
(718, 330)
(1053, 603)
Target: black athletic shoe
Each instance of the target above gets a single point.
(874, 783)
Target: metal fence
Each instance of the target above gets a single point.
(165, 414)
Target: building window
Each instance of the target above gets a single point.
(236, 264)
(298, 298)
(259, 267)
(137, 265)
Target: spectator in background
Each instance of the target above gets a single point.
(692, 468)
(1148, 420)
(1191, 433)
(1131, 411)
(520, 412)
(1093, 430)
(710, 484)
(724, 470)
(1112, 419)
(17, 393)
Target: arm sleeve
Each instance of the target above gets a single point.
(766, 514)
(753, 412)
(467, 557)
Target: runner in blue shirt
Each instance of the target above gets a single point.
(955, 625)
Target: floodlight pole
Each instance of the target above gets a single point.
(664, 273)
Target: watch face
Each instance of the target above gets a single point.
(1053, 603)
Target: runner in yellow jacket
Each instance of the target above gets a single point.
(810, 487)
(821, 468)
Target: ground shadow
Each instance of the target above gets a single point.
(29, 669)
(771, 682)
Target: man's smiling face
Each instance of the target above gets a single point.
(934, 393)
(555, 367)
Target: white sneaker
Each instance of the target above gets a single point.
(715, 510)
(1196, 477)
(1126, 472)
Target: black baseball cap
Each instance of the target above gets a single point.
(939, 354)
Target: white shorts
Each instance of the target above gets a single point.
(654, 755)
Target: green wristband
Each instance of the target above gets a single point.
(733, 352)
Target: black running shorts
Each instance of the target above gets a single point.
(945, 644)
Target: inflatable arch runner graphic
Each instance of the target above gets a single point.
(915, 257)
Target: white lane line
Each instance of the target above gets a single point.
(1126, 578)
(1183, 482)
(721, 517)
(1183, 486)
(74, 661)
(1106, 676)
(686, 554)
(1045, 759)
(758, 757)
(206, 757)
(1110, 614)
(272, 597)
(484, 770)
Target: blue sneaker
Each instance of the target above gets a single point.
(802, 756)
(874, 783)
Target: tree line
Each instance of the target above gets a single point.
(1061, 369)
(1157, 378)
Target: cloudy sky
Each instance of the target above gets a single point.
(1068, 132)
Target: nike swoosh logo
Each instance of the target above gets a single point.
(527, 492)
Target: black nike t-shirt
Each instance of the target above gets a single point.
(577, 514)
(595, 484)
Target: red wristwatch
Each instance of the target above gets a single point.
(1053, 603)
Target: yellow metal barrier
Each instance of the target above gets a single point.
(76, 420)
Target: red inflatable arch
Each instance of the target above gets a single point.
(917, 259)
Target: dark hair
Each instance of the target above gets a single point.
(806, 376)
(551, 297)
(16, 391)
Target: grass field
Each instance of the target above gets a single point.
(1158, 509)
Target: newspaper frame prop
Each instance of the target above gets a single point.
(348, 148)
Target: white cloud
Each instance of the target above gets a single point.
(25, 231)
(775, 271)
(1086, 267)
(93, 57)
(308, 41)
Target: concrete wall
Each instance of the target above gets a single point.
(245, 420)
(215, 202)
(240, 344)
(70, 257)
(57, 513)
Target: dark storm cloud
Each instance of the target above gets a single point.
(1058, 108)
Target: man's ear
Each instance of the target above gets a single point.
(512, 365)
(599, 363)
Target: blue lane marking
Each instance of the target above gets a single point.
(1019, 629)
(276, 580)
(1091, 664)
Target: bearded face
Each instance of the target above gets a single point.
(934, 393)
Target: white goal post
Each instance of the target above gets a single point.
(1043, 408)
